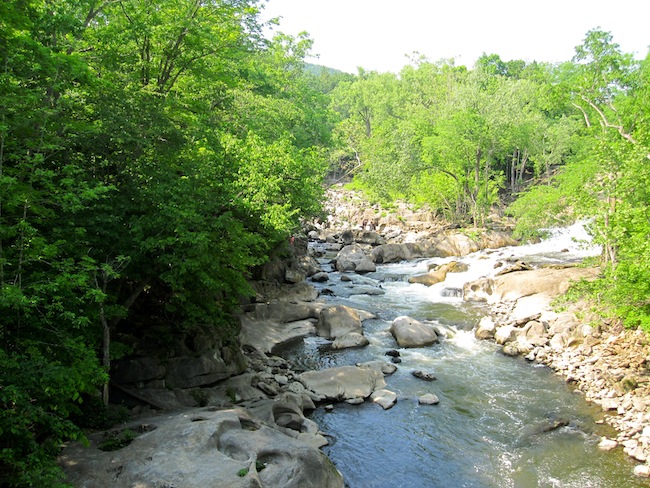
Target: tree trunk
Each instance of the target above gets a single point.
(513, 165)
(106, 351)
(106, 335)
(522, 168)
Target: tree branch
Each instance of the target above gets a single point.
(607, 123)
(584, 113)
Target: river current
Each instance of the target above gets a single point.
(497, 421)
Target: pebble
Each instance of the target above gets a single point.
(642, 470)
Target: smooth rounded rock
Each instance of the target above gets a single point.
(409, 332)
(428, 399)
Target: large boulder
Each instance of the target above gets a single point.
(513, 286)
(409, 332)
(393, 253)
(353, 258)
(283, 311)
(350, 340)
(264, 335)
(338, 320)
(343, 382)
(188, 372)
(195, 357)
(266, 291)
(369, 237)
(458, 244)
(455, 245)
(267, 325)
(138, 370)
(201, 449)
(365, 266)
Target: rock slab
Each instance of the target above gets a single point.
(343, 382)
(202, 449)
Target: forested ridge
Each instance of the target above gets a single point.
(153, 153)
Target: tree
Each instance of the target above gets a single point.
(606, 176)
(151, 153)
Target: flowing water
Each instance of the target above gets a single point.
(498, 417)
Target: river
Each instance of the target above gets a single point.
(501, 421)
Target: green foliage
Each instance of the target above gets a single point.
(606, 180)
(151, 153)
(565, 142)
(466, 133)
(37, 397)
(117, 440)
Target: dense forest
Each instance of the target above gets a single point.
(545, 144)
(152, 153)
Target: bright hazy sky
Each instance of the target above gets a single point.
(378, 34)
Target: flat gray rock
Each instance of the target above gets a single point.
(343, 382)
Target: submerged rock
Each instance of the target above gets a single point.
(423, 375)
(385, 398)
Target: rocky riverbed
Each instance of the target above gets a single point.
(237, 416)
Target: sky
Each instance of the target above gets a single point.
(379, 35)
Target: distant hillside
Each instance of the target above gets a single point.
(317, 69)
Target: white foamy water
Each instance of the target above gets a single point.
(563, 245)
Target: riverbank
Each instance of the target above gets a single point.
(599, 359)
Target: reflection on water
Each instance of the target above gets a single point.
(501, 422)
